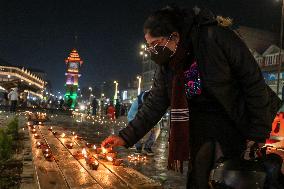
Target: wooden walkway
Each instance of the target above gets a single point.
(65, 171)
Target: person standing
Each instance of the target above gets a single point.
(95, 106)
(154, 133)
(117, 109)
(111, 111)
(220, 103)
(13, 97)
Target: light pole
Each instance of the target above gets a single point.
(280, 48)
(139, 85)
(116, 88)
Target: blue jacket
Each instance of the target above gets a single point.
(134, 107)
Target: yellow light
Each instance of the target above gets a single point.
(84, 152)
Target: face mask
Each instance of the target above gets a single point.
(162, 56)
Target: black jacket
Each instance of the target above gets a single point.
(229, 72)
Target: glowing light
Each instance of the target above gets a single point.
(94, 147)
(84, 152)
(63, 135)
(109, 158)
(104, 150)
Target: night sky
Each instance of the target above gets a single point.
(40, 33)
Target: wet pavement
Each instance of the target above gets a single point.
(95, 131)
(155, 167)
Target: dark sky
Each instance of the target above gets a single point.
(40, 33)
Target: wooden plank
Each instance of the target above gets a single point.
(131, 177)
(74, 173)
(103, 175)
(47, 173)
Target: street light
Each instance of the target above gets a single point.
(139, 85)
(116, 88)
(143, 46)
(280, 48)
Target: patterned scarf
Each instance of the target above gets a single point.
(179, 125)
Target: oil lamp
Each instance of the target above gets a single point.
(69, 145)
(94, 165)
(117, 162)
(62, 135)
(36, 136)
(33, 131)
(38, 144)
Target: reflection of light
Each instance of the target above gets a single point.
(62, 135)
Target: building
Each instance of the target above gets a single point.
(30, 85)
(73, 63)
(263, 45)
(148, 72)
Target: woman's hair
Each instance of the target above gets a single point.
(165, 21)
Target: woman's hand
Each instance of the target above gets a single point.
(113, 141)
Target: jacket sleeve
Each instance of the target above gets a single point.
(246, 70)
(153, 108)
(132, 111)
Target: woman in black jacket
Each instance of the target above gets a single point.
(218, 98)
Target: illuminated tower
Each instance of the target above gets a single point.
(73, 63)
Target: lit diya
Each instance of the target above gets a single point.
(62, 135)
(117, 162)
(33, 131)
(94, 165)
(104, 150)
(69, 145)
(39, 144)
(89, 145)
(80, 155)
(48, 156)
(50, 128)
(36, 136)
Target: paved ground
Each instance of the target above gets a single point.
(155, 167)
(94, 131)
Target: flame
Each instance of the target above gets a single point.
(38, 143)
(94, 147)
(104, 150)
(73, 133)
(63, 135)
(96, 162)
(84, 152)
(109, 158)
(51, 128)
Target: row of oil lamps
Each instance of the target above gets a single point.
(40, 145)
(90, 159)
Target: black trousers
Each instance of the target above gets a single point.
(13, 105)
(200, 167)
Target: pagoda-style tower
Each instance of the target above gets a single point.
(73, 63)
